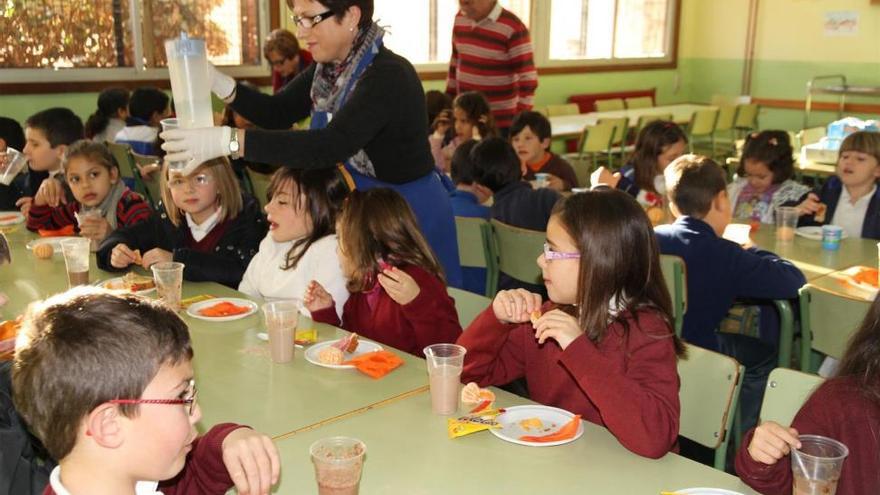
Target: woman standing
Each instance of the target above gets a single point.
(368, 112)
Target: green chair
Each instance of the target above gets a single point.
(150, 183)
(702, 127)
(827, 322)
(639, 102)
(724, 132)
(618, 139)
(746, 118)
(476, 249)
(610, 105)
(786, 392)
(125, 160)
(647, 119)
(260, 183)
(518, 251)
(468, 305)
(710, 386)
(563, 109)
(674, 274)
(594, 149)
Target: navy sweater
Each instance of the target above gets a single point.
(719, 272)
(830, 195)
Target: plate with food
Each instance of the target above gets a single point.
(222, 309)
(814, 232)
(538, 426)
(55, 242)
(10, 218)
(331, 354)
(131, 282)
(861, 277)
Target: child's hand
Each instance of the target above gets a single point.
(559, 326)
(24, 204)
(399, 285)
(94, 228)
(154, 256)
(252, 461)
(316, 297)
(51, 193)
(515, 306)
(810, 205)
(772, 442)
(122, 256)
(555, 183)
(602, 176)
(442, 123)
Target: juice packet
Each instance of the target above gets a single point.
(306, 337)
(472, 423)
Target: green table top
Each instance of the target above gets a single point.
(838, 283)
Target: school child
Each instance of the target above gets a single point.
(436, 102)
(398, 293)
(530, 135)
(851, 198)
(12, 136)
(106, 382)
(146, 109)
(203, 221)
(603, 346)
(471, 118)
(101, 201)
(719, 272)
(103, 125)
(468, 197)
(764, 178)
(301, 244)
(845, 408)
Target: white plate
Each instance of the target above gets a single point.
(706, 491)
(364, 346)
(814, 233)
(11, 221)
(54, 241)
(849, 276)
(193, 309)
(510, 430)
(119, 285)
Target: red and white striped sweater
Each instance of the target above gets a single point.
(131, 209)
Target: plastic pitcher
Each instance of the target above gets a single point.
(188, 69)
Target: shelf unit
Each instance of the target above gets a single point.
(841, 89)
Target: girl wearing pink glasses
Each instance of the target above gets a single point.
(603, 345)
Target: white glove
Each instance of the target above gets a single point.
(196, 146)
(221, 84)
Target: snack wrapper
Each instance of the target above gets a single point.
(472, 423)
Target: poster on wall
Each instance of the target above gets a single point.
(841, 23)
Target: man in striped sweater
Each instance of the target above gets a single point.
(492, 53)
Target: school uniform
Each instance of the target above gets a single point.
(142, 138)
(628, 384)
(204, 471)
(132, 208)
(832, 194)
(551, 163)
(428, 319)
(114, 125)
(838, 409)
(221, 256)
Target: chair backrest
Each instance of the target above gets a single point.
(810, 136)
(647, 119)
(260, 183)
(563, 109)
(150, 183)
(620, 125)
(828, 320)
(786, 392)
(674, 274)
(518, 250)
(125, 160)
(703, 122)
(710, 385)
(726, 118)
(476, 248)
(747, 116)
(639, 102)
(468, 305)
(610, 104)
(596, 138)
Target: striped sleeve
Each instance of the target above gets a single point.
(49, 218)
(451, 77)
(132, 209)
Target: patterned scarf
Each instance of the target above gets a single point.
(331, 80)
(107, 208)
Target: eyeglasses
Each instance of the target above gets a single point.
(190, 401)
(277, 63)
(311, 21)
(550, 254)
(199, 181)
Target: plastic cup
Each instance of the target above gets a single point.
(168, 277)
(786, 223)
(738, 233)
(167, 125)
(12, 162)
(76, 258)
(542, 180)
(338, 462)
(815, 467)
(444, 362)
(281, 319)
(831, 235)
(81, 216)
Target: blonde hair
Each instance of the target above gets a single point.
(228, 190)
(863, 142)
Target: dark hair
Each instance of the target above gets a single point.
(620, 262)
(283, 42)
(378, 224)
(773, 149)
(650, 142)
(91, 151)
(12, 133)
(867, 142)
(537, 122)
(324, 191)
(146, 101)
(85, 347)
(861, 360)
(692, 182)
(495, 163)
(478, 112)
(339, 7)
(436, 102)
(109, 102)
(60, 125)
(462, 167)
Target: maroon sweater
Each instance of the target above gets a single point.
(839, 410)
(130, 209)
(204, 471)
(428, 319)
(628, 384)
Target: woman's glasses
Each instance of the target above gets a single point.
(309, 22)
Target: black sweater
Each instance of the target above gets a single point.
(384, 115)
(226, 265)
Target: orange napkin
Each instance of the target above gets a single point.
(65, 231)
(568, 430)
(376, 364)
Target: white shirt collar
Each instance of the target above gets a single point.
(199, 231)
(844, 196)
(141, 488)
(495, 13)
